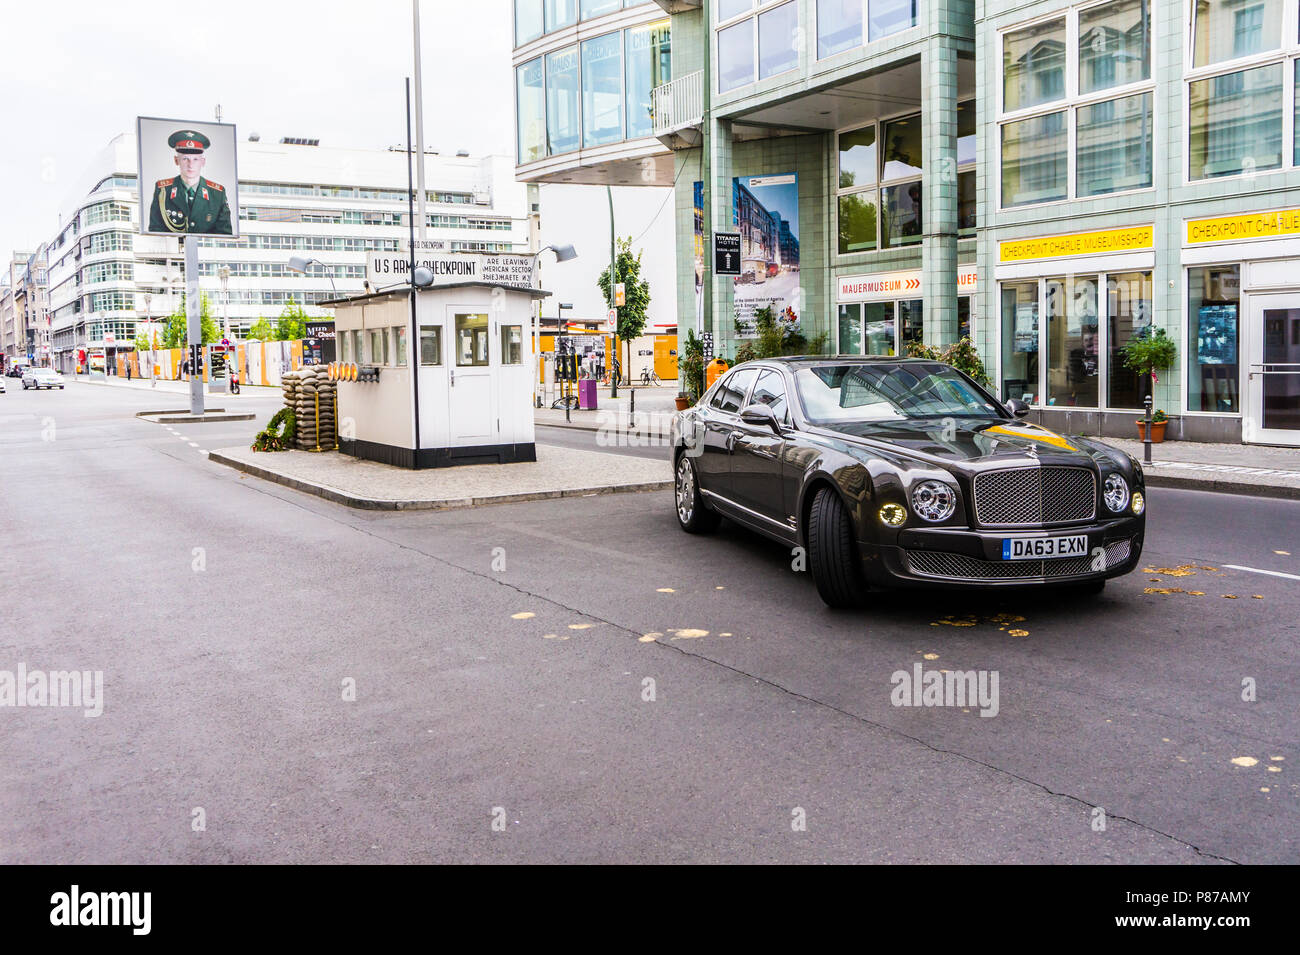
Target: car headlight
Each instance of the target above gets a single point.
(934, 500)
(1116, 493)
(1139, 503)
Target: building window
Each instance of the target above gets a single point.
(560, 13)
(1235, 123)
(845, 24)
(602, 90)
(1224, 30)
(471, 340)
(1068, 92)
(1114, 146)
(512, 345)
(1213, 338)
(1114, 45)
(762, 44)
(778, 36)
(399, 345)
(598, 8)
(430, 344)
(649, 64)
(736, 56)
(528, 21)
(562, 130)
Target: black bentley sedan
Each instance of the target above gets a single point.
(904, 472)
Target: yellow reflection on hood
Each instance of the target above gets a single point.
(1031, 432)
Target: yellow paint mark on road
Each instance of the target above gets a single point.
(690, 634)
(581, 626)
(526, 615)
(665, 590)
(1246, 761)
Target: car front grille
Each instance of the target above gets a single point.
(1037, 495)
(960, 567)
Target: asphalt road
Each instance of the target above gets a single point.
(500, 658)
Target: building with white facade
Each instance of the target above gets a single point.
(296, 198)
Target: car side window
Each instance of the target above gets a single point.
(770, 391)
(732, 390)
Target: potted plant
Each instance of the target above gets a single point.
(1146, 353)
(690, 371)
(1158, 422)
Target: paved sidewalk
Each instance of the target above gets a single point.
(180, 388)
(557, 472)
(1228, 468)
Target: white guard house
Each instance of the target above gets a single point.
(463, 395)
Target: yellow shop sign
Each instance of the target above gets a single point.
(1253, 225)
(1129, 239)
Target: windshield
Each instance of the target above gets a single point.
(888, 391)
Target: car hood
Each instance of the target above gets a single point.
(974, 442)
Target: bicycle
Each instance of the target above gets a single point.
(648, 377)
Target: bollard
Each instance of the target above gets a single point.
(1146, 433)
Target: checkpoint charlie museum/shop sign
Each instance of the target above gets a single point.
(449, 268)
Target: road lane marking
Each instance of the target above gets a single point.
(1271, 573)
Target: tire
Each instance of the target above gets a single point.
(692, 513)
(832, 555)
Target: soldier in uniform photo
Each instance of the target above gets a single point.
(188, 202)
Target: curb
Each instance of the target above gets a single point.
(1278, 491)
(375, 504)
(183, 418)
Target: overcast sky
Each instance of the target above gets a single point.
(75, 74)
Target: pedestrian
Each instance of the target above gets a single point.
(128, 371)
(234, 377)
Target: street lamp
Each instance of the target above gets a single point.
(563, 253)
(300, 263)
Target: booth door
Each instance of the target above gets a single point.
(471, 398)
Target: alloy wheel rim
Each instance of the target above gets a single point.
(685, 490)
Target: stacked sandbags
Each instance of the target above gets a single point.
(305, 389)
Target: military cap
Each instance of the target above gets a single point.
(188, 141)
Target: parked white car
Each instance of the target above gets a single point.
(42, 378)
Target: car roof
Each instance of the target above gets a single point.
(810, 360)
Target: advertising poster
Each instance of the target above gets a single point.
(1216, 335)
(699, 255)
(765, 211)
(1026, 329)
(189, 182)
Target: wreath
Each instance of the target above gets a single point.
(278, 433)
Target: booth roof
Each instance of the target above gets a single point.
(402, 290)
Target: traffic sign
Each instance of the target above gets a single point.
(726, 253)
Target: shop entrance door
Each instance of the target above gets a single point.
(1273, 377)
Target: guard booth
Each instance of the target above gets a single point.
(461, 394)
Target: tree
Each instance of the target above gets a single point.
(292, 322)
(632, 313)
(262, 330)
(174, 335)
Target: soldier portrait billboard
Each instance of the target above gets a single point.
(188, 177)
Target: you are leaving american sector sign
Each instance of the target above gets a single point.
(387, 268)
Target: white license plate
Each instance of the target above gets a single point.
(1041, 548)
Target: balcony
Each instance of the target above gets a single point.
(678, 109)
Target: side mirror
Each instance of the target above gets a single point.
(1017, 407)
(760, 415)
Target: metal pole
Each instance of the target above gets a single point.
(706, 164)
(613, 294)
(419, 121)
(193, 324)
(413, 346)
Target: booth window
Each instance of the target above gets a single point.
(471, 340)
(399, 345)
(430, 344)
(512, 345)
(1213, 319)
(378, 347)
(345, 346)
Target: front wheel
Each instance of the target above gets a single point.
(694, 517)
(832, 555)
